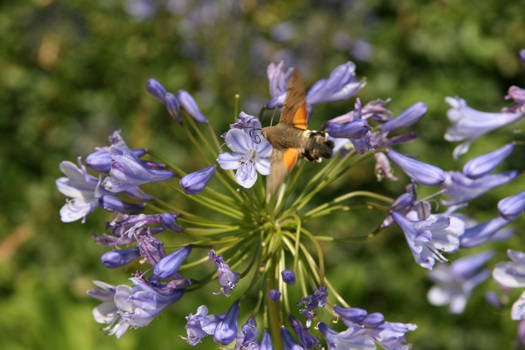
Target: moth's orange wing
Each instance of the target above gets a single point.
(294, 109)
(282, 163)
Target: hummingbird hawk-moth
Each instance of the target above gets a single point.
(290, 138)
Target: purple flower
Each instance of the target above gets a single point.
(518, 95)
(247, 337)
(487, 231)
(274, 295)
(81, 187)
(173, 106)
(426, 238)
(306, 339)
(200, 325)
(227, 328)
(512, 275)
(156, 89)
(121, 257)
(114, 204)
(151, 249)
(124, 306)
(410, 116)
(455, 282)
(289, 342)
(354, 129)
(100, 160)
(313, 302)
(278, 78)
(128, 172)
(484, 164)
(170, 100)
(464, 189)
(168, 265)
(227, 278)
(352, 338)
(125, 230)
(422, 173)
(197, 181)
(288, 276)
(248, 157)
(522, 56)
(341, 85)
(374, 110)
(469, 124)
(511, 207)
(266, 342)
(141, 10)
(190, 106)
(390, 335)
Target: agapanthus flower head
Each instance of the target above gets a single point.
(455, 283)
(469, 124)
(226, 277)
(248, 157)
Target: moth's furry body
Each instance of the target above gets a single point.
(312, 144)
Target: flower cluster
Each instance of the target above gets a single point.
(259, 245)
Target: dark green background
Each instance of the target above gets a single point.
(74, 71)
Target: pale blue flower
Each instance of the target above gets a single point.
(226, 329)
(464, 189)
(426, 238)
(485, 163)
(485, 232)
(410, 116)
(125, 306)
(197, 181)
(511, 207)
(201, 324)
(455, 282)
(247, 337)
(120, 257)
(226, 277)
(512, 275)
(469, 124)
(420, 172)
(248, 157)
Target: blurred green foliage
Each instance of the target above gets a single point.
(73, 71)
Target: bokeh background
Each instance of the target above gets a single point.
(72, 71)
